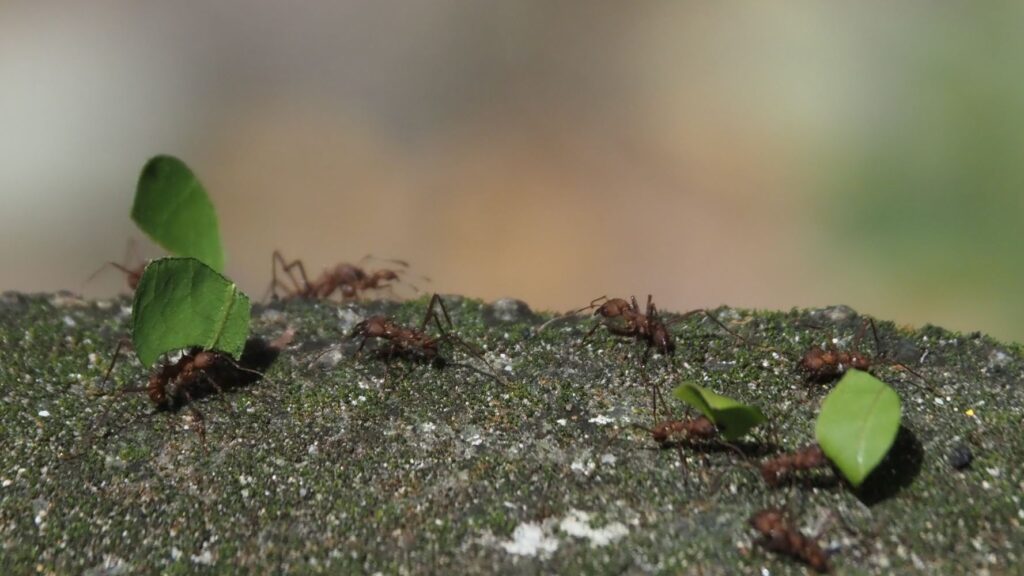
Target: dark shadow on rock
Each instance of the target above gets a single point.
(897, 470)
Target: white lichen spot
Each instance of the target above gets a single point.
(608, 459)
(44, 413)
(530, 539)
(601, 420)
(993, 472)
(577, 523)
(70, 322)
(584, 467)
(176, 553)
(561, 421)
(205, 558)
(428, 427)
(6, 482)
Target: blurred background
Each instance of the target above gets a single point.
(759, 155)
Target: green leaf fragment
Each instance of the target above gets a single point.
(858, 423)
(172, 207)
(181, 302)
(734, 419)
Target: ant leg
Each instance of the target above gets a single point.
(431, 314)
(277, 260)
(198, 417)
(590, 333)
(394, 261)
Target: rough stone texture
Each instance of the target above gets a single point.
(342, 464)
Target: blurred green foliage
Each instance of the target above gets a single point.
(932, 190)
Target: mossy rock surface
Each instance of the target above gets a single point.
(357, 464)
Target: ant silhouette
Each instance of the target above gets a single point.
(347, 279)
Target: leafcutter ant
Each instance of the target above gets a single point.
(807, 458)
(197, 373)
(778, 535)
(645, 327)
(132, 273)
(416, 343)
(670, 430)
(349, 280)
(827, 364)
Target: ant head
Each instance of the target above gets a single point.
(612, 308)
(347, 273)
(374, 326)
(767, 520)
(860, 361)
(157, 390)
(205, 359)
(385, 274)
(813, 360)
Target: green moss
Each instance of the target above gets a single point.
(371, 466)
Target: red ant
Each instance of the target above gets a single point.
(778, 535)
(132, 274)
(807, 458)
(347, 279)
(414, 342)
(404, 340)
(700, 427)
(827, 364)
(177, 383)
(644, 327)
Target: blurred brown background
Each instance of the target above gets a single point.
(749, 154)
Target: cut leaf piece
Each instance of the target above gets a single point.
(181, 302)
(172, 207)
(733, 418)
(858, 423)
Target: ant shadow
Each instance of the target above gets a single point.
(897, 470)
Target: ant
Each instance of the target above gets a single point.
(807, 458)
(132, 274)
(827, 364)
(700, 427)
(778, 535)
(196, 373)
(347, 279)
(414, 342)
(645, 327)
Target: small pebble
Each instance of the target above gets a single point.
(960, 457)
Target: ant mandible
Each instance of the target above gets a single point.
(347, 279)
